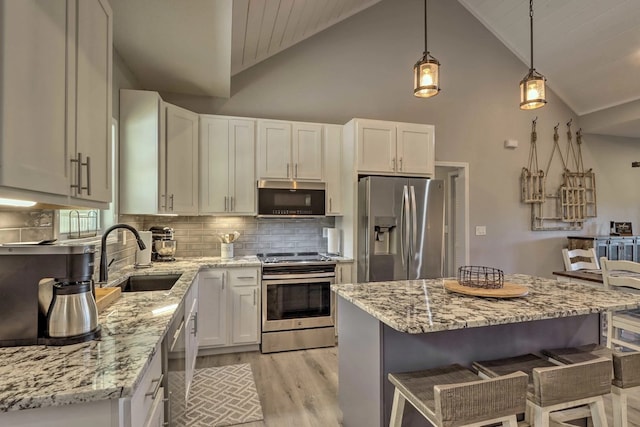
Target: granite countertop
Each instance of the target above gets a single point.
(113, 366)
(421, 306)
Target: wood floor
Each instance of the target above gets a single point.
(296, 388)
(300, 388)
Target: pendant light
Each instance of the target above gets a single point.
(426, 81)
(532, 86)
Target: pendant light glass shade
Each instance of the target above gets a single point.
(532, 91)
(532, 86)
(426, 72)
(426, 77)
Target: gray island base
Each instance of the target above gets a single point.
(410, 325)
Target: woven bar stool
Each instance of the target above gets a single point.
(554, 388)
(453, 396)
(626, 373)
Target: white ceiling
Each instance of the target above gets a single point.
(589, 50)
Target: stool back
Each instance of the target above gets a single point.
(472, 402)
(626, 369)
(560, 384)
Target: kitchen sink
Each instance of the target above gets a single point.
(154, 282)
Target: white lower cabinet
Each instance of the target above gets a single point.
(230, 307)
(191, 306)
(343, 275)
(156, 415)
(148, 393)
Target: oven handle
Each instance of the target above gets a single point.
(304, 277)
(297, 280)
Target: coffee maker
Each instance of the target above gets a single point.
(27, 272)
(164, 245)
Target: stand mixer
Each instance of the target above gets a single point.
(164, 245)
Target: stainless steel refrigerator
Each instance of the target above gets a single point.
(400, 228)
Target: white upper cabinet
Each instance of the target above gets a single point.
(307, 151)
(181, 195)
(93, 94)
(55, 101)
(392, 148)
(333, 168)
(158, 156)
(227, 166)
(289, 150)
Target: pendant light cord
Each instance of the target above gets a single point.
(425, 27)
(531, 27)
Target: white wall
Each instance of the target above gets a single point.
(362, 67)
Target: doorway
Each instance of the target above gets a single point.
(456, 187)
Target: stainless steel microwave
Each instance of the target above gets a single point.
(290, 199)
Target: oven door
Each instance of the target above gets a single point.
(301, 303)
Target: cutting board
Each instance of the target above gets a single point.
(105, 296)
(510, 290)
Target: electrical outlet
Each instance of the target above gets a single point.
(481, 230)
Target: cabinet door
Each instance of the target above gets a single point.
(33, 82)
(191, 335)
(415, 149)
(214, 164)
(141, 148)
(244, 314)
(156, 414)
(333, 168)
(181, 160)
(274, 150)
(307, 151)
(242, 173)
(245, 305)
(93, 101)
(376, 146)
(343, 273)
(213, 314)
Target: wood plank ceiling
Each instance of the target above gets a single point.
(263, 28)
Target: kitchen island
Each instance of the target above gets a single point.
(91, 383)
(409, 325)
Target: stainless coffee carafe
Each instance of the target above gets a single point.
(73, 311)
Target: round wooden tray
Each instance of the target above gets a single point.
(509, 290)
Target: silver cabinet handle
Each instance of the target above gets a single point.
(163, 196)
(171, 198)
(78, 184)
(287, 170)
(223, 276)
(400, 163)
(156, 389)
(296, 174)
(225, 203)
(88, 165)
(330, 209)
(393, 163)
(246, 277)
(194, 331)
(231, 204)
(254, 297)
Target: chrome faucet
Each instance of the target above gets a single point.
(103, 247)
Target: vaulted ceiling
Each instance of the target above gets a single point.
(589, 50)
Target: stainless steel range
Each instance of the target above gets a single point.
(297, 302)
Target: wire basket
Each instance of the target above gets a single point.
(480, 277)
(83, 224)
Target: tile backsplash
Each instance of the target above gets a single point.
(197, 235)
(25, 225)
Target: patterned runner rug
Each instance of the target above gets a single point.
(222, 396)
